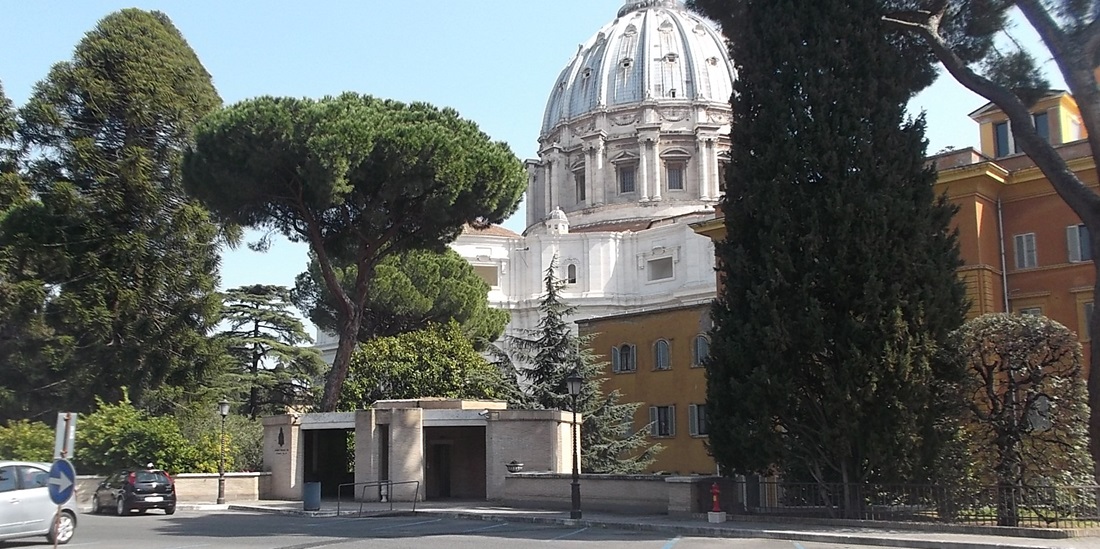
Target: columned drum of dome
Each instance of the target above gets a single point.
(636, 124)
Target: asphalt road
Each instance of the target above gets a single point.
(241, 530)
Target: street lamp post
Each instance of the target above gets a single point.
(223, 409)
(574, 383)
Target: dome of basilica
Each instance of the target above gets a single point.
(654, 50)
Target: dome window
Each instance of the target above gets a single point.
(626, 62)
(712, 61)
(630, 30)
(672, 57)
(587, 73)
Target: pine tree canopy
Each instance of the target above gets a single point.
(358, 179)
(410, 290)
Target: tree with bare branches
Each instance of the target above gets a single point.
(963, 34)
(1027, 401)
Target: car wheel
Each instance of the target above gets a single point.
(63, 529)
(170, 510)
(121, 508)
(96, 507)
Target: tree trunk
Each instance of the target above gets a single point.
(334, 382)
(1093, 326)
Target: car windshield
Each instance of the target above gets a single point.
(151, 476)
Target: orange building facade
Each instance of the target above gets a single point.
(1023, 251)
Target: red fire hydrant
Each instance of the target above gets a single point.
(714, 491)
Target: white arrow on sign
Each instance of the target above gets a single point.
(62, 483)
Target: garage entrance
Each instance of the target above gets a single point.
(454, 465)
(329, 460)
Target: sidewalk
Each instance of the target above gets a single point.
(929, 537)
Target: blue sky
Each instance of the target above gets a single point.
(492, 60)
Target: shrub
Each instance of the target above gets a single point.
(26, 440)
(116, 436)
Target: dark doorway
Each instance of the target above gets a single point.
(440, 463)
(454, 462)
(329, 458)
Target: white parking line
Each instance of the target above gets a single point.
(798, 545)
(404, 525)
(490, 527)
(567, 534)
(672, 543)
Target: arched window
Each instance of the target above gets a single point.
(623, 358)
(700, 350)
(661, 358)
(571, 274)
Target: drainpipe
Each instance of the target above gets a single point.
(1001, 239)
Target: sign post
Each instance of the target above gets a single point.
(61, 486)
(64, 435)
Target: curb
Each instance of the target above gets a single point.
(690, 530)
(713, 532)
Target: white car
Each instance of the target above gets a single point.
(25, 506)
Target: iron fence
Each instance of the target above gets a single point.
(1031, 506)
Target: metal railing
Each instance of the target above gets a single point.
(1031, 506)
(385, 492)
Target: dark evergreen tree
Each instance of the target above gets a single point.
(839, 266)
(125, 263)
(265, 340)
(546, 355)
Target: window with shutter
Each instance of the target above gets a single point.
(700, 350)
(616, 360)
(1078, 245)
(663, 419)
(1026, 255)
(692, 419)
(662, 361)
(627, 359)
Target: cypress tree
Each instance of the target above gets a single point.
(839, 265)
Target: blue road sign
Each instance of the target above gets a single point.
(62, 481)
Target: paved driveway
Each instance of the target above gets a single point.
(241, 530)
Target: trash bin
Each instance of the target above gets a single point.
(311, 496)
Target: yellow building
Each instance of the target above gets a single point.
(656, 358)
(1023, 251)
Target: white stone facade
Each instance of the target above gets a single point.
(633, 140)
(631, 150)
